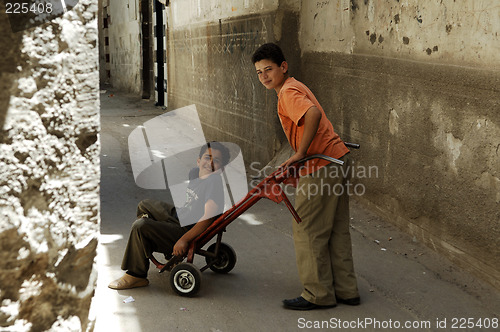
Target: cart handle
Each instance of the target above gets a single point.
(317, 156)
(322, 156)
(285, 173)
(352, 145)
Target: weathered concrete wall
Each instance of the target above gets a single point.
(125, 45)
(49, 172)
(417, 84)
(208, 55)
(463, 33)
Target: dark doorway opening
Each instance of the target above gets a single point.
(159, 31)
(147, 47)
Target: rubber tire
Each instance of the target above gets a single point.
(226, 259)
(185, 279)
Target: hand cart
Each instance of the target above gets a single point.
(185, 277)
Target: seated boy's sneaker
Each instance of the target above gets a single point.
(127, 281)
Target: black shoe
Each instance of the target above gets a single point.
(302, 304)
(352, 301)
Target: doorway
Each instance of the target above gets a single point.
(160, 79)
(147, 47)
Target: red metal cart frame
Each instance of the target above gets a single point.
(185, 277)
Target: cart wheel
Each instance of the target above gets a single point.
(185, 279)
(225, 260)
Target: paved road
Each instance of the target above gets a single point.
(401, 281)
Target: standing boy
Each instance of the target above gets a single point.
(322, 241)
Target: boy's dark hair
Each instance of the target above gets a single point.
(269, 51)
(217, 146)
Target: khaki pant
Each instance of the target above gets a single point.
(157, 229)
(322, 241)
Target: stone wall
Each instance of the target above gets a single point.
(49, 172)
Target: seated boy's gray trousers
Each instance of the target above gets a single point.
(157, 229)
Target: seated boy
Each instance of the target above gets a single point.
(158, 228)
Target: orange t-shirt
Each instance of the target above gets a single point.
(294, 100)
